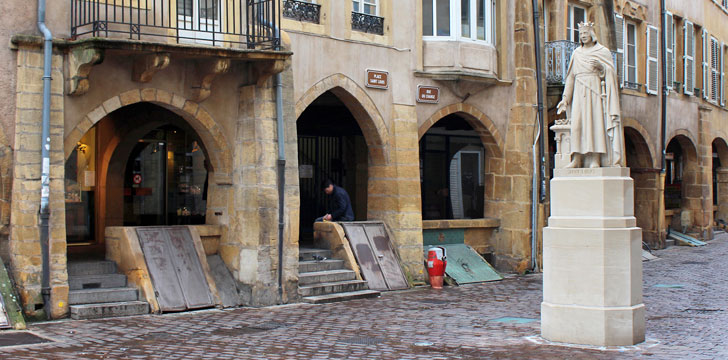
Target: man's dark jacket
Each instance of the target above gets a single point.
(340, 205)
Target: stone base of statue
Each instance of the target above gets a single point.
(592, 271)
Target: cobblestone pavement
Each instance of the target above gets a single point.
(687, 318)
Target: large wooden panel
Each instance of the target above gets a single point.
(370, 270)
(162, 270)
(388, 261)
(192, 279)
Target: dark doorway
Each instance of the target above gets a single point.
(330, 145)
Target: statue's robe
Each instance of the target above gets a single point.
(591, 114)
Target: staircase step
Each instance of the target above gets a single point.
(105, 281)
(327, 276)
(309, 253)
(104, 310)
(95, 296)
(98, 267)
(323, 265)
(332, 287)
(345, 296)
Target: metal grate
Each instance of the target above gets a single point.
(434, 301)
(241, 330)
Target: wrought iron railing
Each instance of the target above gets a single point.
(558, 54)
(632, 85)
(367, 23)
(233, 23)
(302, 11)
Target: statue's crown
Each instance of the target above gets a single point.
(586, 25)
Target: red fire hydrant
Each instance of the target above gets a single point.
(435, 264)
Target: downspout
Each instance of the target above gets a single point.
(663, 97)
(45, 156)
(538, 163)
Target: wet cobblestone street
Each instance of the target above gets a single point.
(684, 291)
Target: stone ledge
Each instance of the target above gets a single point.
(460, 223)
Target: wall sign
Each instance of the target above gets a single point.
(137, 179)
(377, 79)
(428, 94)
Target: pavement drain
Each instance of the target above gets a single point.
(690, 262)
(702, 311)
(669, 286)
(512, 320)
(434, 301)
(21, 338)
(240, 330)
(363, 340)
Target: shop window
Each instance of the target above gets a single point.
(452, 161)
(458, 19)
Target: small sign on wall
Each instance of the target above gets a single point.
(377, 79)
(305, 171)
(428, 94)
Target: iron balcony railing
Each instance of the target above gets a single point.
(367, 23)
(233, 23)
(302, 11)
(558, 54)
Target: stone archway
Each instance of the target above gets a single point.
(361, 106)
(646, 192)
(720, 179)
(684, 189)
(194, 114)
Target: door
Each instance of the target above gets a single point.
(199, 21)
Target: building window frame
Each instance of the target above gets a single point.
(455, 23)
(630, 52)
(362, 6)
(572, 26)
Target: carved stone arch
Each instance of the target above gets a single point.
(211, 134)
(480, 122)
(687, 142)
(646, 139)
(361, 106)
(721, 145)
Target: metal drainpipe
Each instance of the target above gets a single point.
(45, 156)
(663, 114)
(538, 163)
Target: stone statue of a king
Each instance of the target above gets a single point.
(591, 103)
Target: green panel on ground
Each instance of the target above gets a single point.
(434, 237)
(10, 301)
(465, 266)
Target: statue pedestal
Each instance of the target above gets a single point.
(592, 273)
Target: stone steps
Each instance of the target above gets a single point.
(323, 265)
(307, 254)
(332, 287)
(352, 295)
(113, 309)
(96, 290)
(95, 296)
(80, 268)
(327, 276)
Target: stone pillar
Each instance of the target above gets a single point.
(647, 204)
(700, 194)
(24, 237)
(592, 284)
(722, 189)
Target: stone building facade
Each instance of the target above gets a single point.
(687, 195)
(425, 111)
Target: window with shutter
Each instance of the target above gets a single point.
(653, 73)
(688, 57)
(714, 73)
(630, 72)
(669, 33)
(619, 37)
(706, 70)
(721, 50)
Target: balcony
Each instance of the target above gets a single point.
(302, 11)
(248, 24)
(367, 23)
(558, 54)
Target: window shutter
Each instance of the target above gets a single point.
(706, 70)
(653, 73)
(669, 49)
(688, 58)
(619, 39)
(722, 74)
(715, 77)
